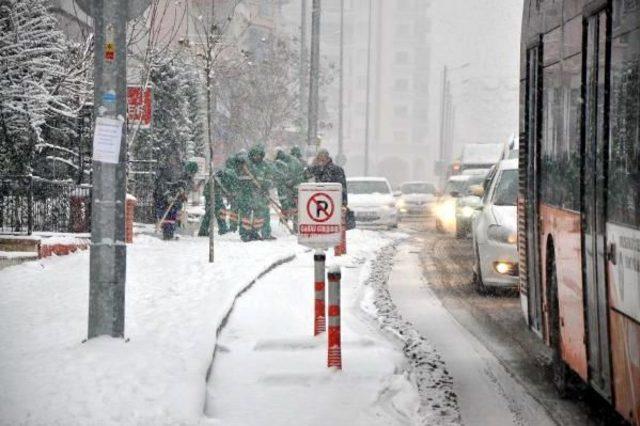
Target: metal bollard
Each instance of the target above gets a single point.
(319, 321)
(334, 342)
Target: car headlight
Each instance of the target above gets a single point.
(401, 204)
(467, 211)
(446, 211)
(502, 234)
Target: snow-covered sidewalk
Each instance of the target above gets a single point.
(270, 370)
(175, 302)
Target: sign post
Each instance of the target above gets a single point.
(320, 227)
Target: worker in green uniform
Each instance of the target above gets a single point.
(220, 192)
(232, 171)
(288, 177)
(261, 176)
(245, 199)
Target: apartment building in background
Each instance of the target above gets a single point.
(399, 121)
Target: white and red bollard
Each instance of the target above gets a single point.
(334, 358)
(319, 319)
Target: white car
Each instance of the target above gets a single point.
(372, 202)
(495, 230)
(416, 198)
(451, 215)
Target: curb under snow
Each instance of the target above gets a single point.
(427, 370)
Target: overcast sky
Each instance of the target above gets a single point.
(486, 34)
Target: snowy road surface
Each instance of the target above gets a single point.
(270, 370)
(487, 394)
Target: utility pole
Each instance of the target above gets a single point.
(108, 258)
(211, 107)
(447, 128)
(367, 102)
(314, 78)
(303, 63)
(443, 106)
(341, 156)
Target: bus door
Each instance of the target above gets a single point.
(532, 200)
(594, 186)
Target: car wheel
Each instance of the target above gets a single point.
(460, 233)
(438, 226)
(477, 274)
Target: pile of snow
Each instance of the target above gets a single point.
(439, 405)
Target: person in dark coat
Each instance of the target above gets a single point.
(324, 170)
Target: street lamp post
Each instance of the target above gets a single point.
(314, 78)
(341, 95)
(367, 106)
(446, 122)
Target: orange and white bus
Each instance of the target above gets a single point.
(579, 197)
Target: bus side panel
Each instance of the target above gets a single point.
(625, 347)
(564, 227)
(624, 316)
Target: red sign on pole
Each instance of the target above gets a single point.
(139, 106)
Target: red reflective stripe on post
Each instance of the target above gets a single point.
(319, 320)
(334, 354)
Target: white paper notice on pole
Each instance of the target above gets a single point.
(320, 215)
(107, 139)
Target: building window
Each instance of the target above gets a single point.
(403, 30)
(401, 85)
(402, 58)
(401, 111)
(400, 137)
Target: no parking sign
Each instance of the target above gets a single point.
(319, 214)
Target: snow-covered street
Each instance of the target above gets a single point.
(488, 395)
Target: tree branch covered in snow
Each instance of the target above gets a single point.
(43, 85)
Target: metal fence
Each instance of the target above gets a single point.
(30, 204)
(141, 183)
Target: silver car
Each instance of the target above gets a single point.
(495, 230)
(372, 201)
(415, 198)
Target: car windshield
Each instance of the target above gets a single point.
(506, 192)
(456, 186)
(418, 188)
(368, 187)
(463, 187)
